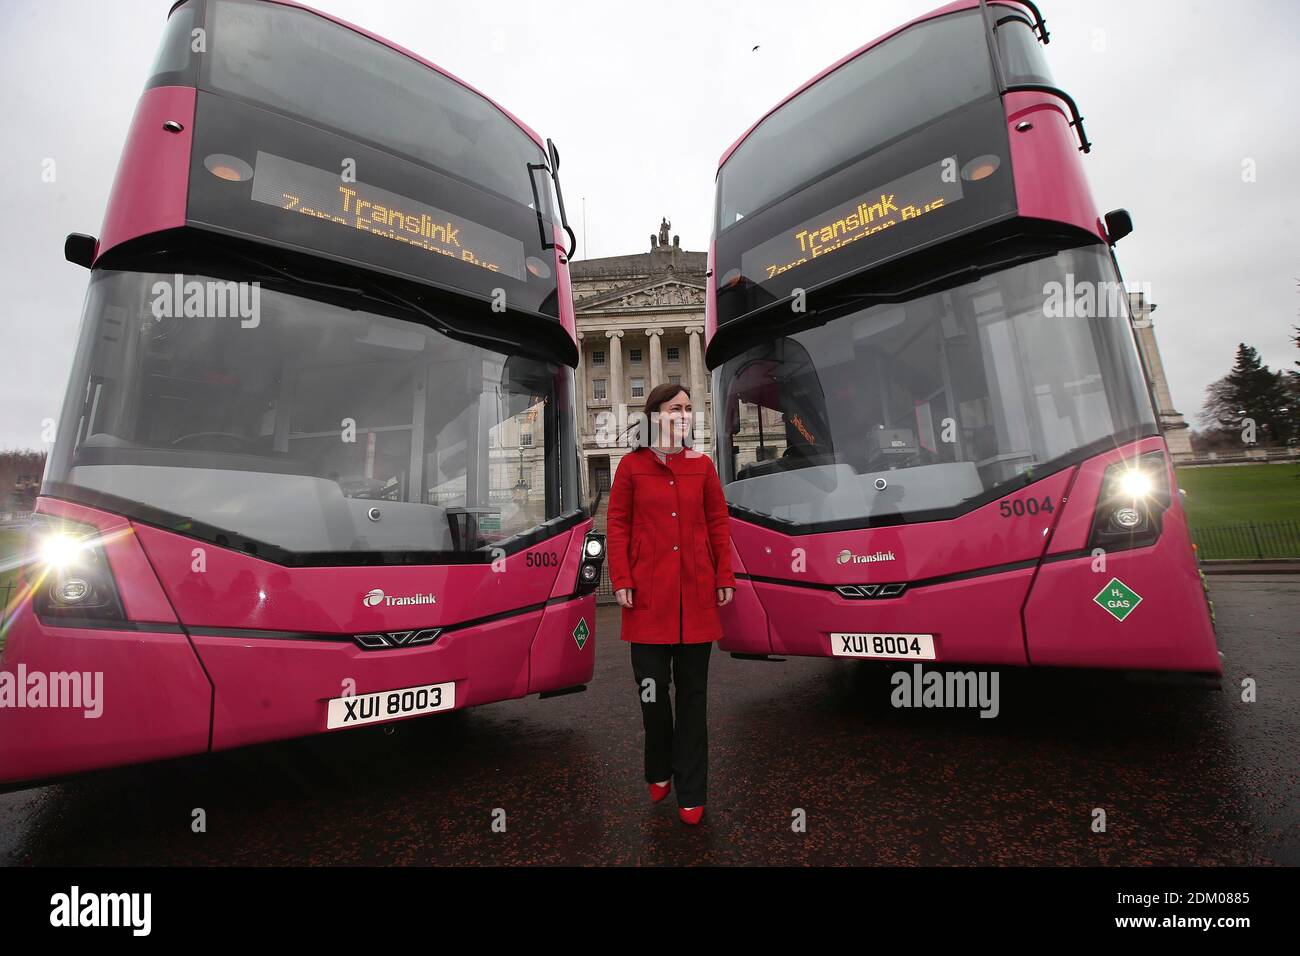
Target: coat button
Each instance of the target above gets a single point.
(674, 514)
(670, 481)
(674, 547)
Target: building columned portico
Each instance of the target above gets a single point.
(640, 322)
(1177, 436)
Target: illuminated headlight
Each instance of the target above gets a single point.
(70, 572)
(593, 556)
(1131, 503)
(60, 550)
(1135, 484)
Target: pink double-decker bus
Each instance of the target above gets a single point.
(317, 464)
(933, 427)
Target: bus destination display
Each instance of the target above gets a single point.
(298, 188)
(896, 203)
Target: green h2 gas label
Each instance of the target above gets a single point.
(580, 632)
(1118, 599)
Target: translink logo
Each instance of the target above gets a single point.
(376, 597)
(848, 557)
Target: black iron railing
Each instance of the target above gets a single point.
(1253, 540)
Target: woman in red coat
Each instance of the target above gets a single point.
(670, 563)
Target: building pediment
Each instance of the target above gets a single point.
(658, 293)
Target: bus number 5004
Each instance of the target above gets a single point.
(1025, 506)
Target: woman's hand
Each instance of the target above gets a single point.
(624, 596)
(725, 595)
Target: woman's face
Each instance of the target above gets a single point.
(675, 418)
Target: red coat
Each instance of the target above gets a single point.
(669, 540)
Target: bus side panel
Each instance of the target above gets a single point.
(1050, 183)
(152, 183)
(140, 696)
(271, 689)
(1168, 629)
(105, 695)
(570, 546)
(745, 628)
(562, 655)
(976, 620)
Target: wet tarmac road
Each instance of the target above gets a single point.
(1185, 775)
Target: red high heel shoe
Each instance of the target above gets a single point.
(691, 815)
(659, 790)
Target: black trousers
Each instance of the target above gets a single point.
(679, 753)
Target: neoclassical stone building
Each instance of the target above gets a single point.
(640, 322)
(1177, 436)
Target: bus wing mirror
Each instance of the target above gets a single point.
(79, 249)
(554, 155)
(1118, 225)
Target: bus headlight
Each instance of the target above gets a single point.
(60, 550)
(1134, 496)
(1127, 518)
(71, 590)
(1135, 483)
(71, 577)
(593, 559)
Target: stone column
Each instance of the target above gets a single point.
(615, 392)
(580, 385)
(1174, 426)
(655, 336)
(699, 397)
(697, 373)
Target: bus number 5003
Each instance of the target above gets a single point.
(1025, 506)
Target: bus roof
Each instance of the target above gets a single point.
(414, 56)
(950, 8)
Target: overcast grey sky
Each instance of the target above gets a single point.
(642, 98)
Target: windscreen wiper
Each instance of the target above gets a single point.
(971, 271)
(758, 514)
(441, 322)
(368, 290)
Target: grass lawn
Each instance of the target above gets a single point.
(11, 542)
(1235, 494)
